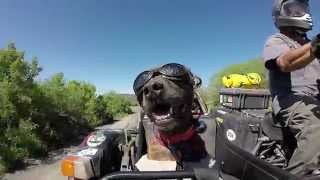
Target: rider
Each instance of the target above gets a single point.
(293, 65)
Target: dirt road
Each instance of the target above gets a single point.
(50, 170)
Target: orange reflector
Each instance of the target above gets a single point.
(67, 165)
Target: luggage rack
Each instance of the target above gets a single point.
(240, 99)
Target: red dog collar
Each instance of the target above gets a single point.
(166, 139)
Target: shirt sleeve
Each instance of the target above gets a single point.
(273, 48)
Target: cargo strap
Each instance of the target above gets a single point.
(126, 158)
(125, 162)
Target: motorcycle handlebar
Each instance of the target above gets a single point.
(150, 175)
(201, 173)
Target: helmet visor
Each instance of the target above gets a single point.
(295, 8)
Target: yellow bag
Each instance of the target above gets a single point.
(250, 80)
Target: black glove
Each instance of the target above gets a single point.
(315, 43)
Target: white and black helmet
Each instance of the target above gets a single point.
(292, 13)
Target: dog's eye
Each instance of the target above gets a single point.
(157, 86)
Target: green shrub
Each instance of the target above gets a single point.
(36, 116)
(116, 104)
(19, 143)
(3, 169)
(17, 131)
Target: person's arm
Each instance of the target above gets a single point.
(295, 59)
(299, 58)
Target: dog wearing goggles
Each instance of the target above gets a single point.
(166, 96)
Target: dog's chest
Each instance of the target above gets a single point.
(188, 154)
(207, 137)
(193, 153)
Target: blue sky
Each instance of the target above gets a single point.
(108, 42)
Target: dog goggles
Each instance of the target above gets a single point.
(172, 71)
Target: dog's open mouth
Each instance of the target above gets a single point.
(162, 113)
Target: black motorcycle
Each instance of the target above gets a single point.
(246, 121)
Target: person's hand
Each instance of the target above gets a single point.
(315, 43)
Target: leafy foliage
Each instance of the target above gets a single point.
(116, 104)
(17, 131)
(36, 116)
(215, 83)
(131, 98)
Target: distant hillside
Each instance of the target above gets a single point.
(131, 98)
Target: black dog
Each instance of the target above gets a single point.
(166, 95)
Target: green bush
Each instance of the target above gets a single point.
(75, 99)
(116, 104)
(17, 131)
(37, 116)
(2, 168)
(18, 143)
(34, 115)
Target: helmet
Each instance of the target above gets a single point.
(292, 13)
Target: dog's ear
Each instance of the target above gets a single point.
(195, 80)
(139, 98)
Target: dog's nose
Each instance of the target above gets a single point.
(154, 88)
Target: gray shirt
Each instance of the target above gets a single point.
(301, 81)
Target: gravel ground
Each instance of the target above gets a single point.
(50, 169)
